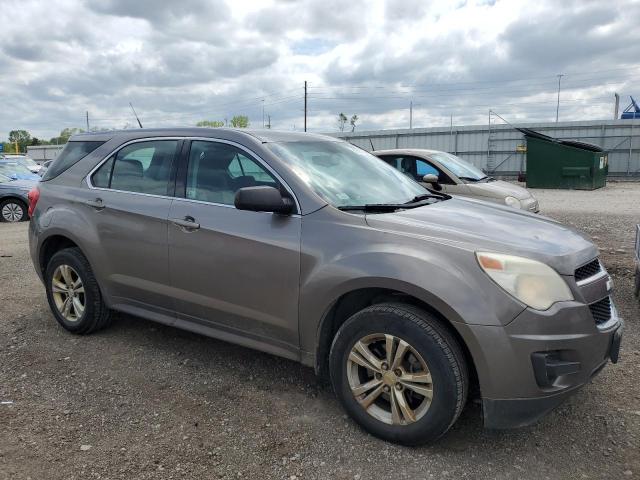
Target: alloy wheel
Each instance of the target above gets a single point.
(389, 379)
(12, 212)
(68, 293)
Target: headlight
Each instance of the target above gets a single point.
(512, 202)
(533, 283)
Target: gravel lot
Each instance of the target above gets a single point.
(141, 400)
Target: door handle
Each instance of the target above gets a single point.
(96, 204)
(188, 223)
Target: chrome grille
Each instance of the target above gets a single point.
(588, 270)
(601, 310)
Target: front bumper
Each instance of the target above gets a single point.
(530, 366)
(520, 412)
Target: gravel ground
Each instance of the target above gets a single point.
(142, 400)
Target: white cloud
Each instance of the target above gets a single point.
(180, 62)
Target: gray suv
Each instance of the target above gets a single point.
(307, 247)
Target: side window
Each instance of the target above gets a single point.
(405, 164)
(425, 168)
(142, 167)
(217, 170)
(392, 161)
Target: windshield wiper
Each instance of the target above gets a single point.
(427, 196)
(471, 179)
(373, 207)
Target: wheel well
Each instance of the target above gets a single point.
(51, 245)
(354, 301)
(11, 197)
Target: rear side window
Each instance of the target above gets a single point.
(72, 153)
(142, 167)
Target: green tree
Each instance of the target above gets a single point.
(354, 119)
(342, 120)
(240, 121)
(21, 137)
(210, 123)
(65, 134)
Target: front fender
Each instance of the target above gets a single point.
(444, 276)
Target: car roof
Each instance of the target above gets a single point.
(262, 135)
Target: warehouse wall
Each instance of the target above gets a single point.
(494, 149)
(41, 153)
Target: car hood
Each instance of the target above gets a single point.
(498, 189)
(477, 225)
(19, 184)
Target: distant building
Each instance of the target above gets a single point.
(41, 153)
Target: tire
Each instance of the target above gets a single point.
(13, 210)
(94, 315)
(429, 342)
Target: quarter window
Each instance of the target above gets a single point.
(143, 167)
(216, 171)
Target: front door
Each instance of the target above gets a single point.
(236, 271)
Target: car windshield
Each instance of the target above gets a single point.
(458, 167)
(9, 168)
(345, 175)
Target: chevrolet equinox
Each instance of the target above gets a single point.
(307, 247)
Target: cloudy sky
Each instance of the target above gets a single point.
(183, 61)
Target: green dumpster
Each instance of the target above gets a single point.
(553, 163)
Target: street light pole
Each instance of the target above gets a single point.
(558, 104)
(410, 114)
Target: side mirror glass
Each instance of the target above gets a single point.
(263, 199)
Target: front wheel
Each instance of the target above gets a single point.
(399, 373)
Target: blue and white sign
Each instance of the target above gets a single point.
(1, 147)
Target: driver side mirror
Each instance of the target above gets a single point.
(433, 180)
(263, 199)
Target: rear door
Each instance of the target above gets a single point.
(128, 202)
(237, 271)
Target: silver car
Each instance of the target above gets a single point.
(449, 173)
(307, 247)
(25, 161)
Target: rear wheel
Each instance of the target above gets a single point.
(399, 373)
(73, 293)
(13, 210)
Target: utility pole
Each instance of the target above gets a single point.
(263, 113)
(411, 115)
(269, 124)
(87, 120)
(616, 107)
(558, 104)
(305, 105)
